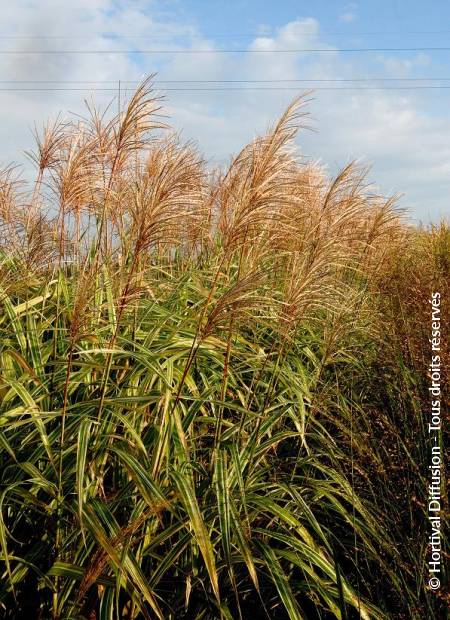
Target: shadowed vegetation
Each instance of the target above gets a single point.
(213, 383)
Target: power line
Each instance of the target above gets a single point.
(263, 81)
(230, 88)
(228, 51)
(109, 35)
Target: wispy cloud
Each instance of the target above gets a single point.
(347, 17)
(348, 14)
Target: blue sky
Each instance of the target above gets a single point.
(404, 134)
(368, 15)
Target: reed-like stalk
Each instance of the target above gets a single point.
(211, 383)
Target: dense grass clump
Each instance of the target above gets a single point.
(212, 383)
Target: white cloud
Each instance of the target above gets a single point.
(407, 145)
(402, 67)
(347, 17)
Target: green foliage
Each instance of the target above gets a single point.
(155, 516)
